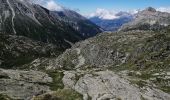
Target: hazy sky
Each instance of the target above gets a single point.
(89, 6)
(106, 9)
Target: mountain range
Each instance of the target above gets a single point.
(33, 23)
(148, 19)
(144, 19)
(60, 55)
(41, 24)
(78, 22)
(112, 24)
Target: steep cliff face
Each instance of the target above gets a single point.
(84, 26)
(148, 19)
(22, 18)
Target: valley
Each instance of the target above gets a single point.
(62, 55)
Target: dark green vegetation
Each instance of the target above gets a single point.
(46, 32)
(4, 97)
(57, 80)
(37, 23)
(78, 22)
(58, 87)
(64, 94)
(67, 94)
(16, 51)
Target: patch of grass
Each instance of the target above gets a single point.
(16, 62)
(68, 94)
(61, 94)
(139, 83)
(67, 60)
(165, 89)
(5, 97)
(145, 76)
(67, 65)
(57, 80)
(162, 84)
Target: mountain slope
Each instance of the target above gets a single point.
(121, 62)
(130, 65)
(22, 18)
(27, 32)
(133, 65)
(18, 50)
(28, 29)
(148, 19)
(78, 22)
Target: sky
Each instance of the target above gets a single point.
(105, 8)
(89, 6)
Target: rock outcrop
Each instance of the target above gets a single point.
(104, 85)
(120, 65)
(23, 84)
(106, 49)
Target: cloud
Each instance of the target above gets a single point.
(109, 15)
(135, 11)
(49, 4)
(164, 9)
(103, 14)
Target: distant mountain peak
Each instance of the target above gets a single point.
(150, 9)
(148, 19)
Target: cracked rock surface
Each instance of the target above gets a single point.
(104, 85)
(23, 84)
